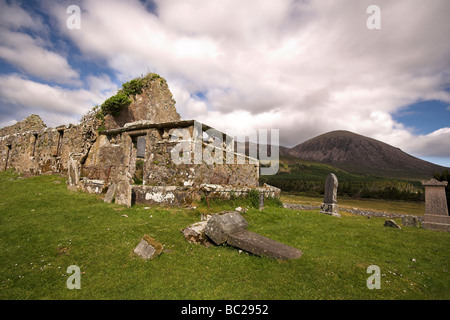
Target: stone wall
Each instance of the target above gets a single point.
(155, 104)
(97, 154)
(36, 149)
(366, 213)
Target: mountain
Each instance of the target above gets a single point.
(363, 155)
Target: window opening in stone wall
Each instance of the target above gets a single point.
(34, 144)
(60, 140)
(7, 155)
(139, 153)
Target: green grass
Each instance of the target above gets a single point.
(44, 228)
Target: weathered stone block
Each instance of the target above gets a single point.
(436, 222)
(410, 221)
(148, 248)
(220, 226)
(330, 208)
(110, 193)
(123, 193)
(435, 198)
(195, 233)
(436, 210)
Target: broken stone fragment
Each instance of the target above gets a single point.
(148, 248)
(240, 210)
(392, 224)
(195, 233)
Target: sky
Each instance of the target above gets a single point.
(302, 67)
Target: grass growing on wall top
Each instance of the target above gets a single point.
(115, 104)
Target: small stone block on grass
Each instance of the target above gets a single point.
(148, 248)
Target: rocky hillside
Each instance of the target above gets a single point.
(359, 154)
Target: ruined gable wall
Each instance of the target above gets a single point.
(155, 104)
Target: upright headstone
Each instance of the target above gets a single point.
(329, 205)
(261, 201)
(123, 193)
(436, 210)
(73, 172)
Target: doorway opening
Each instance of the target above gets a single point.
(34, 144)
(7, 155)
(60, 140)
(138, 158)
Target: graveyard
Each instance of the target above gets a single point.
(46, 228)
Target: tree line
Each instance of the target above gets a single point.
(388, 189)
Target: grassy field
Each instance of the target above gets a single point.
(44, 228)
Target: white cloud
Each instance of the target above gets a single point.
(55, 104)
(304, 67)
(13, 16)
(434, 144)
(24, 44)
(28, 54)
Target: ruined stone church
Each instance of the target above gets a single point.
(127, 156)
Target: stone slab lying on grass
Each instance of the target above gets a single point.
(262, 246)
(230, 228)
(219, 227)
(148, 248)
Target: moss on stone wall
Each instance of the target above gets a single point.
(115, 104)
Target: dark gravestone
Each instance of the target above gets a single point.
(329, 205)
(261, 201)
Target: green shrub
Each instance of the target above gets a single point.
(253, 197)
(133, 87)
(273, 202)
(115, 104)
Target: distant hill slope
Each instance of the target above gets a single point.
(362, 155)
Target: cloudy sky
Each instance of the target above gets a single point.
(303, 67)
